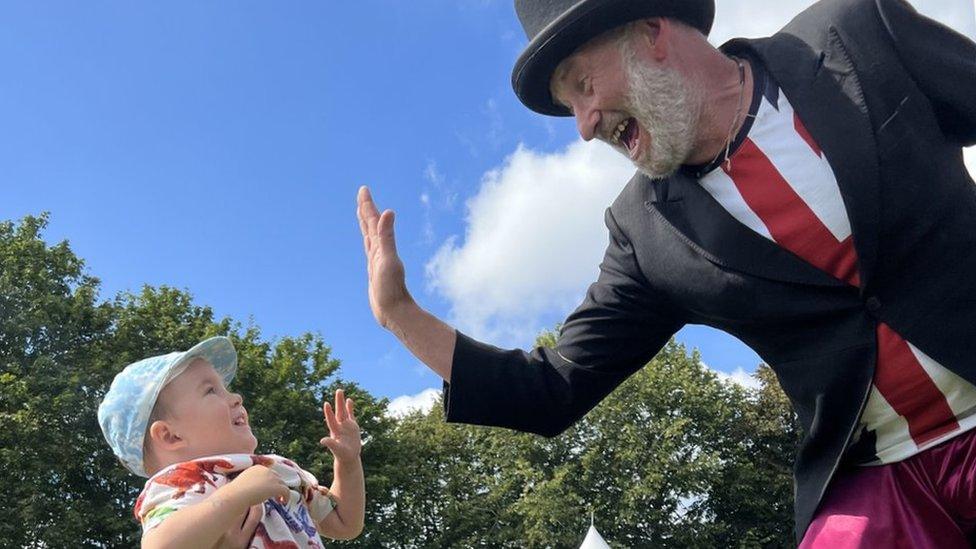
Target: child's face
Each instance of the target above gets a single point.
(205, 415)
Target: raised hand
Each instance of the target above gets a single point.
(344, 438)
(387, 287)
(429, 339)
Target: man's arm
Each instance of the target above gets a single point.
(429, 339)
(942, 63)
(621, 324)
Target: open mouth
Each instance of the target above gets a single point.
(626, 135)
(240, 421)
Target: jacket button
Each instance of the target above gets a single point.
(873, 304)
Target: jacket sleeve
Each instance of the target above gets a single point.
(941, 61)
(621, 324)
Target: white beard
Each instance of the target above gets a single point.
(668, 111)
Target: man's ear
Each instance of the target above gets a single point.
(164, 437)
(653, 34)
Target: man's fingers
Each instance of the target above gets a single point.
(330, 443)
(386, 234)
(330, 418)
(360, 199)
(369, 212)
(350, 412)
(366, 249)
(340, 404)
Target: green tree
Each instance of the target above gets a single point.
(59, 350)
(50, 320)
(674, 457)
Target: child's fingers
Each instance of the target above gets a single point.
(330, 418)
(253, 517)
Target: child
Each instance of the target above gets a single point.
(172, 419)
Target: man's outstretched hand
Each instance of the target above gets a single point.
(387, 287)
(429, 339)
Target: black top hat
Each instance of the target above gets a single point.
(556, 28)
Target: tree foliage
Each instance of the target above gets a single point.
(674, 457)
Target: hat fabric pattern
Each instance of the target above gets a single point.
(124, 412)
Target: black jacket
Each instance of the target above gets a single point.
(890, 96)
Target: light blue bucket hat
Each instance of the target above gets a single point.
(124, 412)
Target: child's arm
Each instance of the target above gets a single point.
(203, 524)
(348, 484)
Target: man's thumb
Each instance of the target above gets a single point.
(329, 443)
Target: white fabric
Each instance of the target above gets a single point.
(593, 540)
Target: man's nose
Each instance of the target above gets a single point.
(587, 122)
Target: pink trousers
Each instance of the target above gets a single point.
(926, 501)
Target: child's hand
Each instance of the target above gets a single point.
(240, 534)
(258, 483)
(344, 439)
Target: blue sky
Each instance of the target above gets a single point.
(218, 146)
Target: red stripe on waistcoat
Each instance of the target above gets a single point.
(790, 221)
(909, 389)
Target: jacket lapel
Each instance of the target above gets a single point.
(825, 91)
(721, 238)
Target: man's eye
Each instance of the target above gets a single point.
(211, 390)
(585, 85)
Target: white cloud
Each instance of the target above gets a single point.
(957, 14)
(438, 196)
(750, 19)
(739, 377)
(432, 174)
(534, 240)
(423, 401)
(496, 126)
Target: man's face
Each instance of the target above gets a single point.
(210, 419)
(618, 94)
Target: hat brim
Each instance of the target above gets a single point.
(585, 21)
(218, 351)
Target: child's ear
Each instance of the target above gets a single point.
(164, 437)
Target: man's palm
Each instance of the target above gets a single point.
(387, 287)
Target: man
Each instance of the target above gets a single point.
(805, 193)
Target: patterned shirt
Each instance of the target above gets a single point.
(283, 524)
